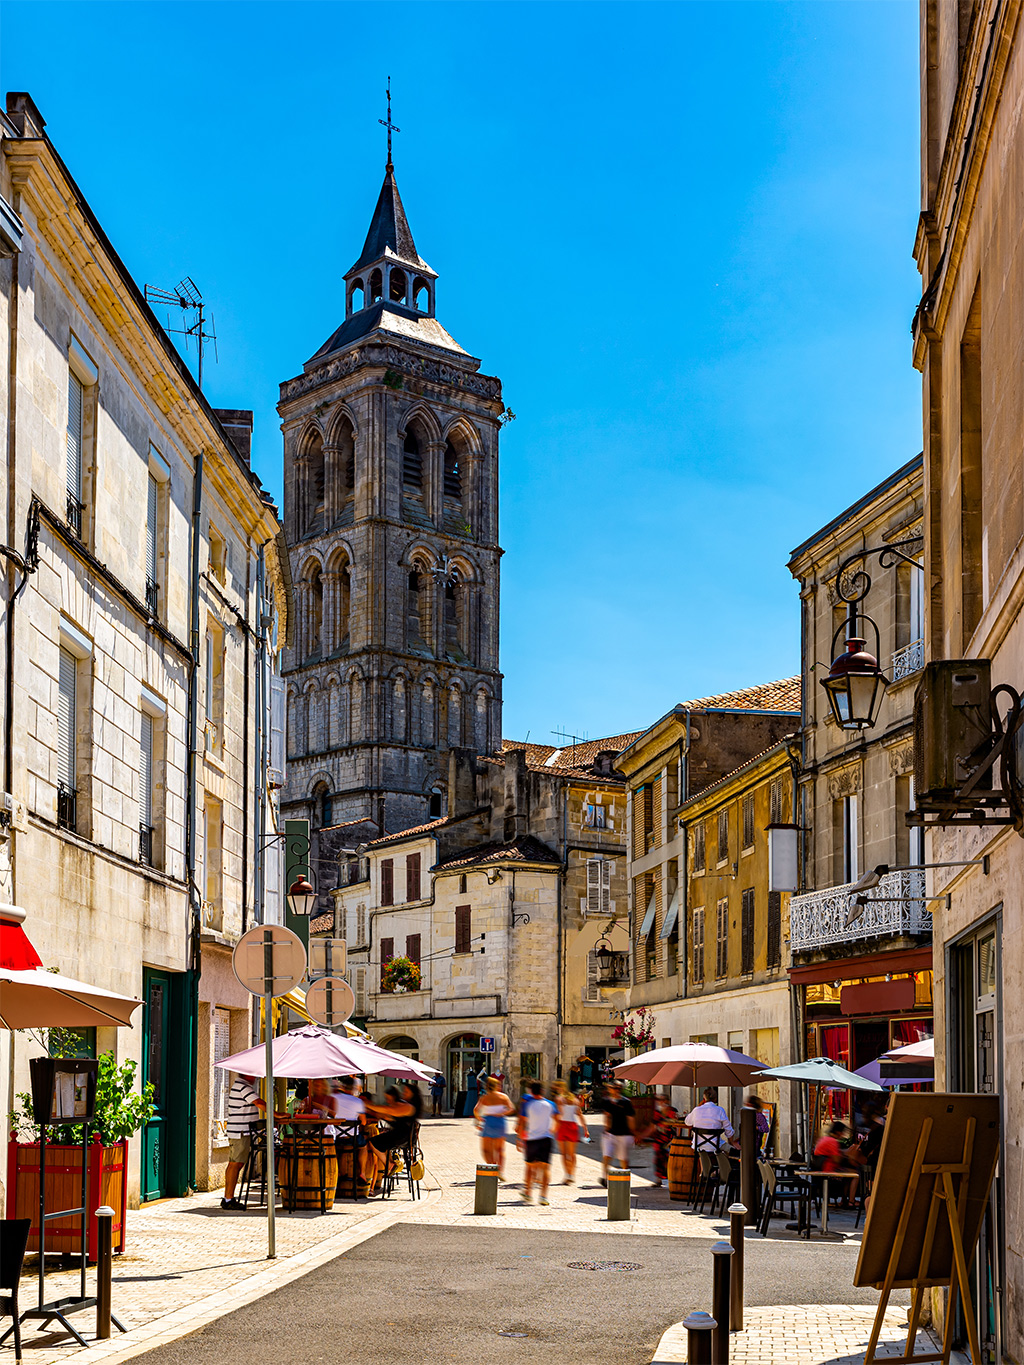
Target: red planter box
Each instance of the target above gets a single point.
(108, 1184)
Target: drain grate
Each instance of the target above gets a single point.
(605, 1265)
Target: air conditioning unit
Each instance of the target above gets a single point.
(953, 734)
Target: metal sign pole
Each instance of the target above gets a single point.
(268, 1038)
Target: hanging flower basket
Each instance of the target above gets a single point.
(400, 974)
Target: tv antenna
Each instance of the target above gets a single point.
(565, 735)
(186, 296)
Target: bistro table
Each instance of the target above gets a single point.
(825, 1177)
(309, 1168)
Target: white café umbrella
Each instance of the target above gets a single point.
(35, 998)
(309, 1052)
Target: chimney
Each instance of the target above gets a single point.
(517, 796)
(22, 111)
(237, 423)
(461, 781)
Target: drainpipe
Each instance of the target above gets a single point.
(245, 746)
(561, 929)
(194, 956)
(260, 794)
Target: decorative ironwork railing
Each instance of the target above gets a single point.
(818, 918)
(908, 660)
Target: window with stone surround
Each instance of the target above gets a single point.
(413, 891)
(747, 910)
(387, 881)
(463, 929)
(748, 821)
(723, 837)
(697, 946)
(722, 940)
(698, 847)
(67, 742)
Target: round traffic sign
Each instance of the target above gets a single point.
(330, 1001)
(269, 960)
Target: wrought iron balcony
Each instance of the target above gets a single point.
(67, 808)
(908, 660)
(818, 918)
(146, 845)
(152, 594)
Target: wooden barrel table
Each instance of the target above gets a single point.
(299, 1165)
(682, 1164)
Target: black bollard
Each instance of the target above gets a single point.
(722, 1253)
(737, 1219)
(104, 1258)
(700, 1328)
(618, 1196)
(486, 1200)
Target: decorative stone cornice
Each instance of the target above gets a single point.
(396, 359)
(845, 782)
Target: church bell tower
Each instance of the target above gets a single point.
(391, 518)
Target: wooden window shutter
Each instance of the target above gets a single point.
(359, 989)
(412, 948)
(66, 720)
(387, 881)
(360, 924)
(463, 929)
(774, 928)
(412, 877)
(387, 950)
(606, 885)
(152, 506)
(698, 847)
(747, 932)
(698, 944)
(146, 773)
(76, 410)
(748, 821)
(592, 991)
(723, 835)
(593, 886)
(722, 940)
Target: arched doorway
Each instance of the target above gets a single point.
(464, 1060)
(404, 1045)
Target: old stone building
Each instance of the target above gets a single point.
(502, 903)
(969, 347)
(862, 983)
(707, 941)
(391, 514)
(143, 583)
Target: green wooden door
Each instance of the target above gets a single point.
(155, 1050)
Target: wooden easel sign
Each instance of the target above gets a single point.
(934, 1172)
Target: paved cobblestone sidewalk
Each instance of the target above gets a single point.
(813, 1334)
(188, 1262)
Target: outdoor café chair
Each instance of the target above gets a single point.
(793, 1191)
(346, 1140)
(728, 1181)
(13, 1242)
(707, 1184)
(410, 1153)
(255, 1165)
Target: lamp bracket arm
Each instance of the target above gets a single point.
(859, 584)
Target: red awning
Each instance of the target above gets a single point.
(16, 952)
(874, 964)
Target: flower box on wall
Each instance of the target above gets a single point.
(108, 1184)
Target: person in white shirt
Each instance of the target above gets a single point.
(349, 1105)
(533, 1138)
(710, 1117)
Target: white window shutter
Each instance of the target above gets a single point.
(66, 720)
(152, 506)
(76, 409)
(606, 866)
(593, 886)
(221, 1050)
(593, 992)
(146, 772)
(360, 990)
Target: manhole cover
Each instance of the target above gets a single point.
(605, 1265)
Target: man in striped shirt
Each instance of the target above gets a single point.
(244, 1107)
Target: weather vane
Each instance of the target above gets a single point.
(391, 127)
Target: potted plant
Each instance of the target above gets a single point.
(120, 1112)
(400, 974)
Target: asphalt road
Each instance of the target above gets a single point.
(418, 1293)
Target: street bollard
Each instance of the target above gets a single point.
(722, 1253)
(486, 1200)
(618, 1196)
(737, 1219)
(700, 1328)
(104, 1257)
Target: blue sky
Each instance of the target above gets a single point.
(679, 233)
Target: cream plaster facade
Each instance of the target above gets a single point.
(100, 613)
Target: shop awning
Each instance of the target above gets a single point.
(672, 916)
(648, 923)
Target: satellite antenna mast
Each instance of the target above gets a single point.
(564, 735)
(186, 296)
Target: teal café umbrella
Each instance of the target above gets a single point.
(820, 1071)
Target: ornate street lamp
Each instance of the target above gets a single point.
(610, 966)
(301, 896)
(856, 684)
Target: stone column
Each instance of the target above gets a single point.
(331, 480)
(330, 642)
(433, 481)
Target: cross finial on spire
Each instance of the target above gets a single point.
(391, 127)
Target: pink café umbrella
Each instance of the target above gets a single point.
(690, 1064)
(310, 1052)
(924, 1048)
(38, 999)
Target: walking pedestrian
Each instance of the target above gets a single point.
(437, 1089)
(491, 1111)
(244, 1107)
(619, 1127)
(533, 1138)
(568, 1128)
(661, 1133)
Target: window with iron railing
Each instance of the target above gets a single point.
(67, 807)
(152, 594)
(146, 845)
(74, 515)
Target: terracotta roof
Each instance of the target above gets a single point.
(783, 695)
(526, 849)
(322, 924)
(571, 758)
(431, 825)
(733, 773)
